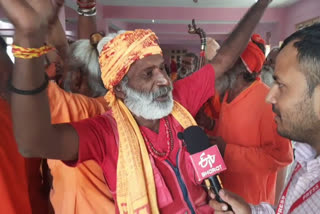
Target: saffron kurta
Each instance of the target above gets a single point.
(82, 189)
(254, 151)
(14, 195)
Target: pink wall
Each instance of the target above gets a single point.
(70, 13)
(299, 12)
(174, 13)
(280, 21)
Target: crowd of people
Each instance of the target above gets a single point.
(92, 126)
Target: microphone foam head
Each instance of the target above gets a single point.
(196, 139)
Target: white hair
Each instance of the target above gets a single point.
(84, 55)
(107, 39)
(83, 51)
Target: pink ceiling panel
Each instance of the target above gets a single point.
(216, 14)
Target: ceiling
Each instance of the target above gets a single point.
(170, 18)
(190, 3)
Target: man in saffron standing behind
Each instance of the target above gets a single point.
(253, 151)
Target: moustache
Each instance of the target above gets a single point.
(276, 111)
(164, 90)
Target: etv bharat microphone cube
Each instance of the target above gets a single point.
(207, 163)
(205, 158)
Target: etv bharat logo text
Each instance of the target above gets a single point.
(204, 161)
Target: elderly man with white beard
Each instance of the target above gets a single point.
(146, 166)
(190, 60)
(188, 65)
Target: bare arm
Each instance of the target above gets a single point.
(86, 24)
(237, 41)
(57, 38)
(35, 135)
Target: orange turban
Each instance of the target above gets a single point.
(118, 55)
(253, 57)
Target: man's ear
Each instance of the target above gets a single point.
(316, 103)
(118, 92)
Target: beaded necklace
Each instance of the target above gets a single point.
(154, 152)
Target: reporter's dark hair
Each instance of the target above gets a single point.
(308, 46)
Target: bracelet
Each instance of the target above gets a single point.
(87, 12)
(30, 92)
(29, 53)
(86, 5)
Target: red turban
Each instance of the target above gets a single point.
(253, 57)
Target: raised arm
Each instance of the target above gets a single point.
(57, 38)
(232, 48)
(86, 19)
(35, 135)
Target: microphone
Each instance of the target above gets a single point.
(205, 158)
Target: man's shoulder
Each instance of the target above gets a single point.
(101, 121)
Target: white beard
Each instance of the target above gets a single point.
(144, 104)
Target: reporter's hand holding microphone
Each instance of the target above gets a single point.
(239, 206)
(208, 163)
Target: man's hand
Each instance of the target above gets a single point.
(32, 16)
(204, 121)
(239, 206)
(219, 142)
(211, 49)
(237, 41)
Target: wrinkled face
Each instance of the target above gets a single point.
(188, 66)
(148, 89)
(294, 107)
